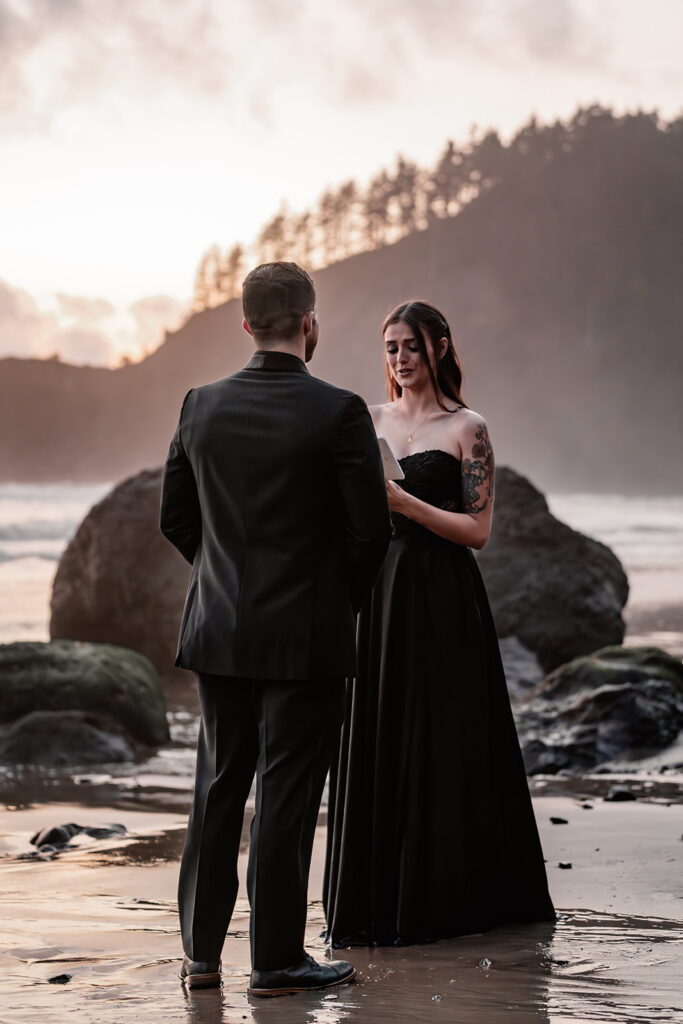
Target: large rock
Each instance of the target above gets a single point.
(119, 581)
(113, 683)
(619, 703)
(522, 669)
(559, 592)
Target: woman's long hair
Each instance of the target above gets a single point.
(422, 318)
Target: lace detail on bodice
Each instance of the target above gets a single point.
(433, 476)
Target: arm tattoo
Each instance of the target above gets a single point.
(477, 473)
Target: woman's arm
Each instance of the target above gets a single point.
(471, 527)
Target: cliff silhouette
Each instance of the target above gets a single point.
(561, 281)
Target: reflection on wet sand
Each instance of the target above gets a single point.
(588, 967)
(104, 913)
(445, 981)
(613, 967)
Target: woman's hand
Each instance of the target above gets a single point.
(399, 500)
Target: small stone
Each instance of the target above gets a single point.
(60, 979)
(485, 963)
(559, 821)
(564, 864)
(620, 793)
(437, 999)
(587, 807)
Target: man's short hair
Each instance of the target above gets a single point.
(275, 297)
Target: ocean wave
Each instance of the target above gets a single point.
(655, 528)
(38, 529)
(49, 556)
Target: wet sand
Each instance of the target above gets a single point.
(104, 913)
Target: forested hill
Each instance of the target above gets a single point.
(561, 279)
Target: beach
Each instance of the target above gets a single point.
(101, 916)
(104, 914)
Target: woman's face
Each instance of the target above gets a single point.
(404, 358)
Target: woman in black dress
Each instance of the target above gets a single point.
(431, 828)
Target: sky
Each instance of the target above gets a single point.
(134, 134)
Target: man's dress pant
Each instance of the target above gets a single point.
(285, 732)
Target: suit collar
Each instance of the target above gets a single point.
(263, 360)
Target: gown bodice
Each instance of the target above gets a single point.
(433, 476)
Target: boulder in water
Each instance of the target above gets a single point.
(119, 581)
(559, 592)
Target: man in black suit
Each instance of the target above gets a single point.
(273, 490)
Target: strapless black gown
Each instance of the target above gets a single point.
(431, 828)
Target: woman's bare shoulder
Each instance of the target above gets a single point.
(469, 416)
(468, 427)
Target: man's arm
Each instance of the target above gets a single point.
(180, 518)
(361, 483)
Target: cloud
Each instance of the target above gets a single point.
(55, 53)
(360, 52)
(559, 31)
(496, 30)
(22, 326)
(83, 346)
(86, 310)
(153, 315)
(26, 330)
(82, 330)
(58, 53)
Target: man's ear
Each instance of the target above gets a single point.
(247, 328)
(307, 322)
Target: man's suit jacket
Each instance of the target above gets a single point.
(274, 491)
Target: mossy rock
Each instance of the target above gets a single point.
(620, 703)
(611, 666)
(70, 675)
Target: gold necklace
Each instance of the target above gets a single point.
(417, 427)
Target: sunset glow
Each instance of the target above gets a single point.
(130, 142)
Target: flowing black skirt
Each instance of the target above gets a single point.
(431, 828)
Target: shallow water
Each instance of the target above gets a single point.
(590, 966)
(104, 912)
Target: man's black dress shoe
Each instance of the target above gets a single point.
(301, 978)
(199, 974)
